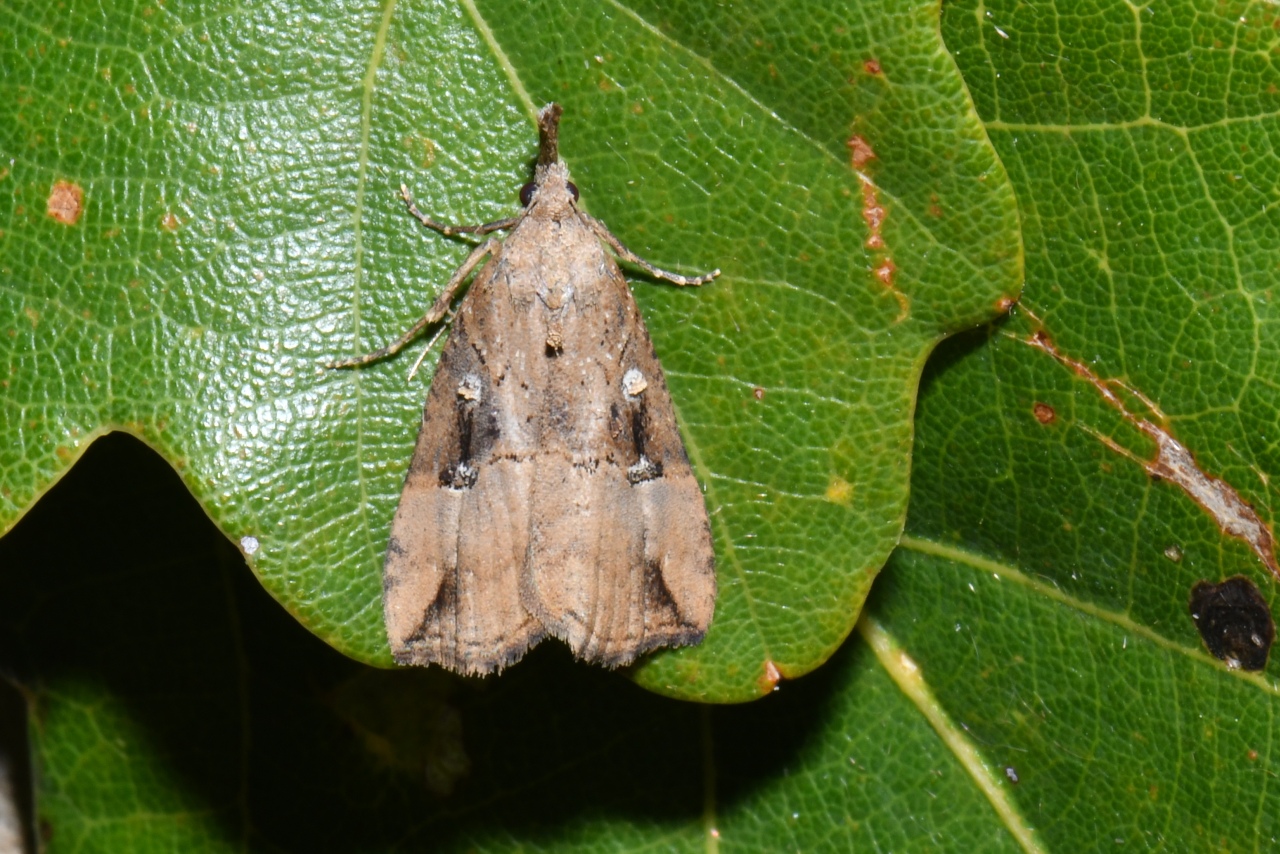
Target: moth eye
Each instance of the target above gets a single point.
(526, 194)
(573, 188)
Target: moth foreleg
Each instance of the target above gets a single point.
(434, 315)
(602, 231)
(451, 230)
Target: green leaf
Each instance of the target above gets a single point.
(1054, 534)
(229, 221)
(1027, 674)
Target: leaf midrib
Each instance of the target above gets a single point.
(1009, 572)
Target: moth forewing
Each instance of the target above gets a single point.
(621, 559)
(549, 492)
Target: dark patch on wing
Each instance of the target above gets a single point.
(389, 581)
(644, 468)
(444, 605)
(477, 431)
(657, 596)
(637, 429)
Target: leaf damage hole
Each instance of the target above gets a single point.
(1174, 462)
(66, 202)
(1234, 622)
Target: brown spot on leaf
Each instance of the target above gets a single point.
(1044, 413)
(1234, 621)
(66, 202)
(757, 393)
(885, 271)
(872, 213)
(1174, 462)
(1005, 303)
(860, 151)
(169, 222)
(769, 680)
(872, 66)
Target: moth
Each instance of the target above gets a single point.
(549, 494)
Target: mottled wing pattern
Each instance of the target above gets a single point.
(621, 560)
(549, 492)
(461, 532)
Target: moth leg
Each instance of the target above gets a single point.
(602, 231)
(434, 315)
(451, 230)
(427, 348)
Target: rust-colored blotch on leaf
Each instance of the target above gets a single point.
(1044, 413)
(66, 202)
(860, 151)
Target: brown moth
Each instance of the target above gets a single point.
(549, 492)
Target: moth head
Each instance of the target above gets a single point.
(550, 186)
